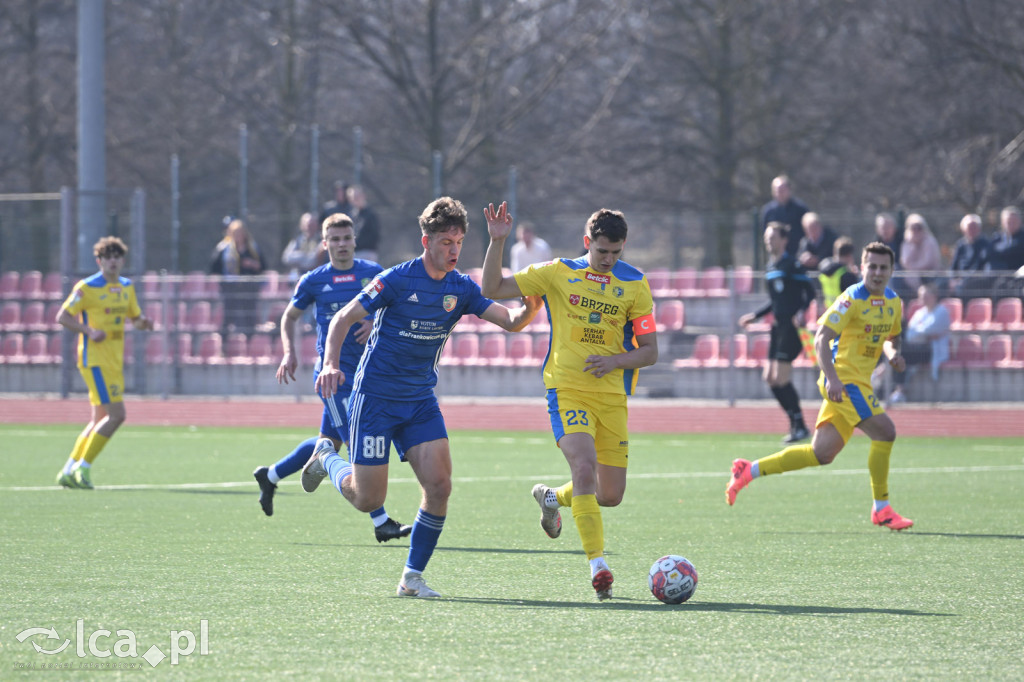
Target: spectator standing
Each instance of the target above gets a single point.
(306, 251)
(367, 224)
(920, 252)
(817, 242)
(528, 249)
(787, 209)
(339, 204)
(237, 259)
(1007, 254)
(840, 272)
(888, 233)
(970, 255)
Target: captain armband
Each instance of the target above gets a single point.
(644, 325)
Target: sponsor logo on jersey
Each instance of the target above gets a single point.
(115, 290)
(877, 302)
(327, 287)
(414, 298)
(595, 318)
(338, 279)
(449, 303)
(603, 279)
(374, 288)
(414, 324)
(843, 306)
(599, 306)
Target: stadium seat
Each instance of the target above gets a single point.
(466, 348)
(236, 349)
(705, 352)
(199, 317)
(999, 350)
(739, 352)
(758, 349)
(492, 349)
(37, 349)
(52, 311)
(660, 281)
(685, 282)
(211, 349)
(33, 317)
(154, 310)
(969, 351)
(978, 315)
(762, 325)
(541, 343)
(1008, 314)
(1018, 354)
(670, 315)
(911, 307)
(53, 286)
(184, 349)
(743, 276)
(156, 349)
(32, 284)
(12, 348)
(55, 347)
(195, 285)
(10, 316)
(149, 285)
(956, 311)
(261, 350)
(129, 348)
(276, 287)
(10, 284)
(519, 350)
(712, 282)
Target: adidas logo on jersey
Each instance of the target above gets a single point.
(327, 287)
(413, 298)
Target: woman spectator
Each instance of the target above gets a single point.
(237, 259)
(919, 252)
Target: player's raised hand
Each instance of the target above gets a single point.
(499, 223)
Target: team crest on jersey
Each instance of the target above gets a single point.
(618, 292)
(574, 299)
(364, 281)
(449, 303)
(867, 329)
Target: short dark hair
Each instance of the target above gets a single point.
(881, 249)
(336, 220)
(443, 214)
(109, 246)
(609, 224)
(782, 227)
(842, 248)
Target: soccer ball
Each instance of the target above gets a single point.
(672, 579)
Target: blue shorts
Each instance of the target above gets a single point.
(334, 422)
(377, 422)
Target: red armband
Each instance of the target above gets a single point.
(644, 325)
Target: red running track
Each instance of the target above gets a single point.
(645, 416)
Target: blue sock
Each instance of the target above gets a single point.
(338, 469)
(379, 517)
(425, 532)
(289, 464)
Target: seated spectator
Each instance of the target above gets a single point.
(236, 259)
(925, 339)
(1007, 254)
(970, 255)
(817, 241)
(920, 252)
(840, 272)
(306, 251)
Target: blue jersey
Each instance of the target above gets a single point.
(330, 289)
(413, 316)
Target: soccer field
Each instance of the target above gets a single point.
(795, 582)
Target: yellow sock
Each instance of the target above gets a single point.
(564, 495)
(878, 466)
(79, 450)
(792, 458)
(94, 446)
(587, 516)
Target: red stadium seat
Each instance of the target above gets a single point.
(758, 352)
(37, 349)
(10, 316)
(540, 347)
(743, 276)
(236, 349)
(52, 311)
(156, 349)
(999, 350)
(32, 284)
(55, 347)
(195, 285)
(199, 317)
(912, 307)
(978, 315)
(739, 352)
(670, 315)
(705, 352)
(184, 349)
(10, 284)
(261, 349)
(659, 280)
(33, 317)
(53, 286)
(519, 350)
(211, 349)
(712, 282)
(685, 282)
(492, 349)
(12, 349)
(1008, 314)
(466, 350)
(969, 352)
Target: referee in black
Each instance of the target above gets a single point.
(791, 292)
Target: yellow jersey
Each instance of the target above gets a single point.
(862, 323)
(103, 305)
(590, 313)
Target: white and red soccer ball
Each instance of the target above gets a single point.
(672, 579)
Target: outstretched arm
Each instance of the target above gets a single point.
(493, 283)
(513, 319)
